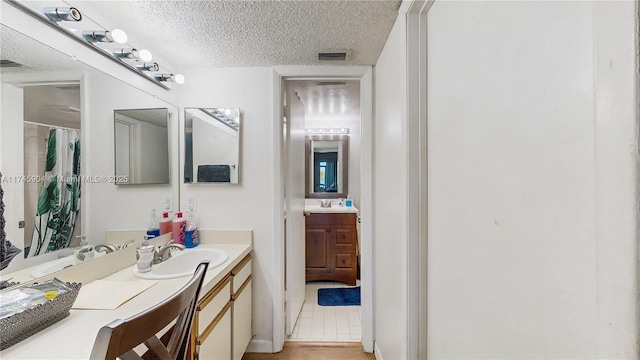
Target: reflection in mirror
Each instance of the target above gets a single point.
(212, 145)
(141, 143)
(326, 166)
(41, 93)
(41, 140)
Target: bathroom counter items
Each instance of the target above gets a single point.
(316, 208)
(73, 337)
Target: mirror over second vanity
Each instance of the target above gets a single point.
(327, 164)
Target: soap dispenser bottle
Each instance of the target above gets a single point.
(179, 228)
(165, 223)
(191, 237)
(154, 228)
(348, 202)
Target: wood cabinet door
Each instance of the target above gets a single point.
(318, 247)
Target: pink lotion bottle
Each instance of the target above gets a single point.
(179, 228)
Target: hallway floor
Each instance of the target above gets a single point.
(314, 352)
(327, 323)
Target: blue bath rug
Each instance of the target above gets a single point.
(339, 296)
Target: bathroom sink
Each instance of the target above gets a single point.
(183, 263)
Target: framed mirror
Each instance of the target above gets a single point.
(212, 145)
(141, 143)
(327, 163)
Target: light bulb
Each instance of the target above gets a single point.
(144, 55)
(179, 79)
(119, 36)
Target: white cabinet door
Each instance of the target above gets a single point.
(242, 322)
(217, 346)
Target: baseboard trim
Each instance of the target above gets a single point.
(299, 344)
(376, 350)
(260, 346)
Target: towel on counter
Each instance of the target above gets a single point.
(214, 173)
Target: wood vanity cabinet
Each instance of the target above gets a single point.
(331, 242)
(221, 328)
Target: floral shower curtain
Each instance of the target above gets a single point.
(59, 198)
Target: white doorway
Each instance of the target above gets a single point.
(283, 275)
(320, 108)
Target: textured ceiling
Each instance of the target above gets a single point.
(250, 33)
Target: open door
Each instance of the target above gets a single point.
(295, 223)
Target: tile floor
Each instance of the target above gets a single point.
(327, 323)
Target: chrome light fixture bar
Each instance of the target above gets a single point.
(115, 35)
(53, 15)
(153, 67)
(134, 54)
(57, 14)
(177, 78)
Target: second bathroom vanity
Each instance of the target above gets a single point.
(331, 243)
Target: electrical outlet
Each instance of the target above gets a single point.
(191, 203)
(167, 203)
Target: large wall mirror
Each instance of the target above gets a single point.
(327, 161)
(141, 143)
(53, 103)
(212, 145)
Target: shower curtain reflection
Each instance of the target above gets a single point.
(57, 204)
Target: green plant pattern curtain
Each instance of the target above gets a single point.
(59, 198)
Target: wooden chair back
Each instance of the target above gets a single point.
(118, 338)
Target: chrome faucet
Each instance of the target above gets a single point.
(163, 253)
(109, 248)
(126, 243)
(325, 203)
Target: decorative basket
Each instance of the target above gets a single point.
(18, 327)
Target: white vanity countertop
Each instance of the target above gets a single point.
(333, 209)
(73, 337)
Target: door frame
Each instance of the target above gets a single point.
(365, 75)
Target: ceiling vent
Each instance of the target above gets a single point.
(338, 55)
(9, 64)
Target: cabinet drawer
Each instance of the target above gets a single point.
(344, 261)
(241, 273)
(331, 219)
(211, 305)
(343, 236)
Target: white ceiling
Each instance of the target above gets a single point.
(249, 33)
(326, 99)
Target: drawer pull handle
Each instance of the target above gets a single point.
(343, 237)
(328, 230)
(343, 262)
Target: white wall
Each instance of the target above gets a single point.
(390, 197)
(247, 205)
(532, 180)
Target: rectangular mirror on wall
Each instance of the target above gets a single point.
(212, 145)
(327, 161)
(141, 143)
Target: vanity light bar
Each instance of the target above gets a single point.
(51, 16)
(327, 131)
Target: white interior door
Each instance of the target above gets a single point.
(295, 225)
